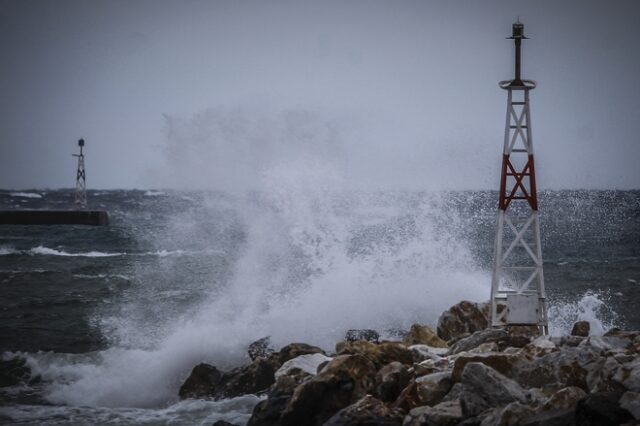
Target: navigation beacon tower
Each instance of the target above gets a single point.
(517, 285)
(81, 186)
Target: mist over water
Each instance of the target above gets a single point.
(293, 252)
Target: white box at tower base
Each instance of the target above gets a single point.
(522, 309)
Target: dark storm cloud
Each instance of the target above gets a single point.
(408, 87)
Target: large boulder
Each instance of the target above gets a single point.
(308, 363)
(391, 380)
(269, 411)
(252, 379)
(446, 413)
(478, 338)
(203, 382)
(423, 335)
(294, 350)
(367, 411)
(513, 414)
(601, 408)
(362, 334)
(564, 399)
(461, 319)
(503, 363)
(342, 382)
(581, 328)
(630, 401)
(484, 388)
(432, 388)
(261, 348)
(568, 367)
(380, 355)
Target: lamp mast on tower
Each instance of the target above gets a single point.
(518, 279)
(81, 185)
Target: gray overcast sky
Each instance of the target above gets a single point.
(394, 94)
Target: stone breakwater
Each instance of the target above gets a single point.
(462, 374)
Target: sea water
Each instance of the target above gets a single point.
(111, 320)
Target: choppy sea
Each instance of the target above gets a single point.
(110, 320)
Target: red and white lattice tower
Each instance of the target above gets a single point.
(517, 286)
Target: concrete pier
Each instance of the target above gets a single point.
(54, 217)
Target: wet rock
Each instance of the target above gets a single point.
(564, 399)
(424, 335)
(568, 367)
(503, 363)
(13, 372)
(567, 341)
(464, 317)
(444, 414)
(564, 417)
(269, 411)
(601, 408)
(362, 334)
(308, 363)
(408, 398)
(367, 411)
(484, 388)
(424, 352)
(380, 355)
(581, 328)
(478, 338)
(344, 380)
(512, 414)
(294, 350)
(539, 347)
(606, 343)
(432, 388)
(252, 379)
(629, 375)
(430, 366)
(203, 382)
(391, 379)
(260, 348)
(630, 401)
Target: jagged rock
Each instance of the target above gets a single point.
(424, 335)
(630, 401)
(294, 350)
(564, 399)
(344, 380)
(424, 352)
(430, 366)
(391, 380)
(581, 328)
(628, 375)
(433, 387)
(454, 393)
(380, 355)
(251, 379)
(539, 347)
(408, 398)
(203, 382)
(601, 408)
(484, 388)
(512, 414)
(368, 411)
(501, 362)
(464, 317)
(308, 363)
(568, 367)
(13, 372)
(223, 423)
(260, 348)
(564, 417)
(568, 341)
(446, 413)
(362, 334)
(606, 343)
(269, 411)
(478, 338)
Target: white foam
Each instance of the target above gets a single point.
(590, 307)
(7, 250)
(25, 194)
(46, 251)
(154, 193)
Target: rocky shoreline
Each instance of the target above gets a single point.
(462, 374)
